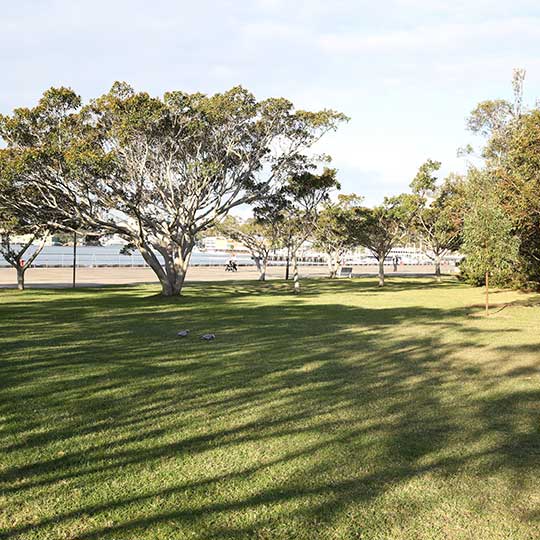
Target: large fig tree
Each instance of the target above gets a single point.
(159, 171)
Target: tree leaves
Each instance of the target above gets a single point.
(158, 171)
(488, 241)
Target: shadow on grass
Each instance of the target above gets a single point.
(298, 414)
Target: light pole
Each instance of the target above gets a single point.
(74, 256)
(288, 257)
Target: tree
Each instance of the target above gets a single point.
(337, 229)
(494, 119)
(30, 225)
(158, 172)
(511, 158)
(258, 236)
(518, 178)
(17, 253)
(385, 226)
(438, 221)
(490, 247)
(39, 147)
(294, 211)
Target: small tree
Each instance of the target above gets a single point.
(488, 243)
(385, 226)
(294, 211)
(33, 225)
(17, 253)
(258, 236)
(337, 229)
(42, 149)
(438, 221)
(295, 227)
(496, 118)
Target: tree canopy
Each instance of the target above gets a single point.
(385, 226)
(489, 244)
(438, 221)
(158, 171)
(511, 161)
(337, 229)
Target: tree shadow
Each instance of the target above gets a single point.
(296, 421)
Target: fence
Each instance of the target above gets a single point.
(89, 256)
(106, 258)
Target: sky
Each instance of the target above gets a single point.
(407, 72)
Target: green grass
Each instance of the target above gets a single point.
(347, 412)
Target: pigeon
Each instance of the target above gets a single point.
(182, 333)
(208, 337)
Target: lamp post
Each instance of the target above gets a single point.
(74, 256)
(288, 259)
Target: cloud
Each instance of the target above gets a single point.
(427, 38)
(407, 71)
(262, 30)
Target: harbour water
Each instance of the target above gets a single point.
(93, 256)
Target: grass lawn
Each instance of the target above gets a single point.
(347, 412)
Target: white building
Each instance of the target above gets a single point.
(24, 238)
(221, 243)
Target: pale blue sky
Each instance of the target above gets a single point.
(407, 71)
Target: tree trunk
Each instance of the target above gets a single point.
(332, 265)
(262, 270)
(177, 274)
(381, 272)
(174, 280)
(15, 260)
(487, 293)
(438, 268)
(174, 269)
(260, 263)
(257, 261)
(295, 274)
(337, 265)
(20, 277)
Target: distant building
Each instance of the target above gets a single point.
(114, 240)
(24, 238)
(221, 243)
(409, 254)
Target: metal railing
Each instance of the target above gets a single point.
(96, 257)
(135, 260)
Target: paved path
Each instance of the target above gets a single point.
(95, 277)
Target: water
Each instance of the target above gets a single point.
(110, 256)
